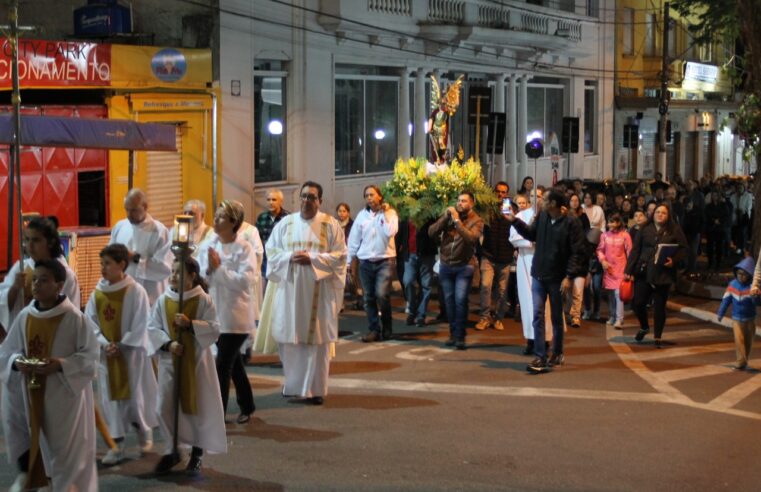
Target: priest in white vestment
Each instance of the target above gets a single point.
(306, 256)
(148, 241)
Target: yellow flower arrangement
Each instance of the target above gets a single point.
(420, 197)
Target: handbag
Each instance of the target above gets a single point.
(626, 290)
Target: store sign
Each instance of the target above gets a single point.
(57, 63)
(169, 65)
(62, 64)
(705, 78)
(700, 72)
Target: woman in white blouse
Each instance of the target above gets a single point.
(229, 264)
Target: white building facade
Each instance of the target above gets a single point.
(336, 90)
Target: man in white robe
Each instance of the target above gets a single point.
(148, 241)
(306, 256)
(63, 424)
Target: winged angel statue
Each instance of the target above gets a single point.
(443, 107)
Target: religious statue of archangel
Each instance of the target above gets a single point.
(443, 107)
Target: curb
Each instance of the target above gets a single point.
(703, 315)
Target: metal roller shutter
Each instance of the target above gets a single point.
(164, 189)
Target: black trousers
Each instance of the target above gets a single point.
(230, 364)
(643, 291)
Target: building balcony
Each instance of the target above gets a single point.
(444, 24)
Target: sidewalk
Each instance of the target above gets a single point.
(704, 310)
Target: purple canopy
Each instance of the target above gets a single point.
(91, 133)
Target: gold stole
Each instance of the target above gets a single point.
(109, 306)
(40, 333)
(187, 363)
(321, 248)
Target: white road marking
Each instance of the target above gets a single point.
(422, 353)
(693, 372)
(660, 381)
(372, 347)
(671, 352)
(737, 393)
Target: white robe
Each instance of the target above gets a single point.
(151, 240)
(141, 407)
(230, 284)
(304, 316)
(15, 429)
(67, 440)
(206, 429)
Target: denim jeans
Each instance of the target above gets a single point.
(592, 295)
(376, 285)
(455, 281)
(418, 272)
(540, 290)
(494, 300)
(615, 306)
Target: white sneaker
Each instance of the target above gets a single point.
(146, 440)
(18, 484)
(113, 456)
(619, 324)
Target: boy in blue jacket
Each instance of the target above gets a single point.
(743, 310)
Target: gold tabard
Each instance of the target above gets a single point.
(109, 306)
(187, 363)
(40, 333)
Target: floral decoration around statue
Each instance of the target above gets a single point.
(420, 196)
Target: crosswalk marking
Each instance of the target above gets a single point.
(693, 372)
(671, 352)
(737, 393)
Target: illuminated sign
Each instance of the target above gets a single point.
(701, 73)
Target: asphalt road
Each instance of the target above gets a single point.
(410, 414)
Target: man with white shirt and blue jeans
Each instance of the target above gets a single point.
(372, 241)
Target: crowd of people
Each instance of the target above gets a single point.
(163, 333)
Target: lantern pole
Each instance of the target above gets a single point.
(181, 246)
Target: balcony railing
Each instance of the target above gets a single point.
(393, 7)
(511, 15)
(493, 16)
(446, 11)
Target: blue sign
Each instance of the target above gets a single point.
(169, 65)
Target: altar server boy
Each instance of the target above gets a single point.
(119, 309)
(53, 345)
(201, 419)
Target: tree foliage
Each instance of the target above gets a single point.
(730, 21)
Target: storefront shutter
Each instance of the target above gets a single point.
(164, 187)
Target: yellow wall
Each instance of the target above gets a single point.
(197, 166)
(639, 71)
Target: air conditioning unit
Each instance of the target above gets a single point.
(102, 18)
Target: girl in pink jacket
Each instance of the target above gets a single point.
(612, 251)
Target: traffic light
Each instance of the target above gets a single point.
(668, 130)
(569, 141)
(631, 136)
